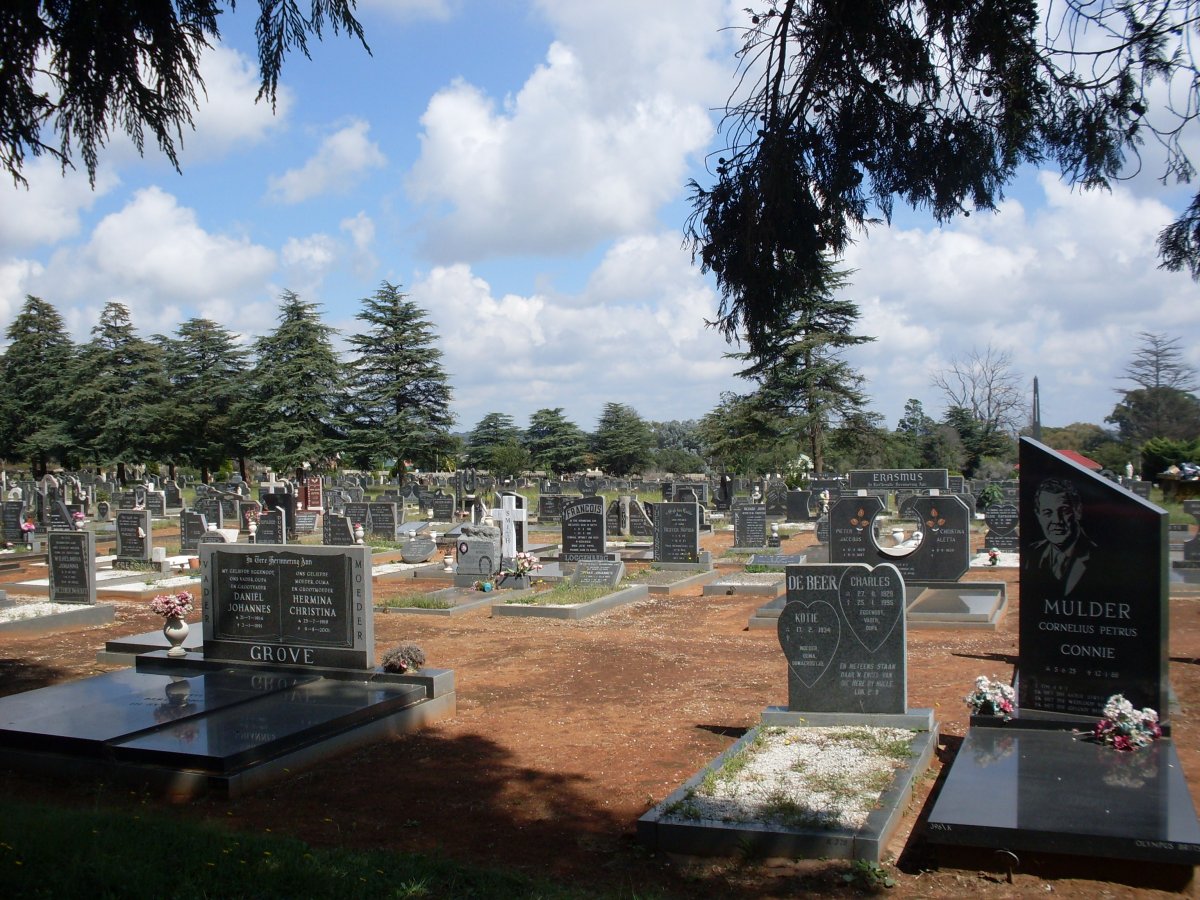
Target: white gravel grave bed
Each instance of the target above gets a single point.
(813, 777)
(34, 610)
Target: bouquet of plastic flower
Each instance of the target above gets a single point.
(172, 606)
(991, 698)
(1124, 727)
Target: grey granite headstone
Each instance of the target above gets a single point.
(598, 572)
(843, 633)
(479, 555)
(272, 527)
(337, 531)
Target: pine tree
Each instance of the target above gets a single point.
(623, 442)
(296, 391)
(208, 377)
(120, 397)
(398, 393)
(797, 368)
(493, 430)
(555, 443)
(33, 417)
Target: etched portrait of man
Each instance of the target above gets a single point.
(1064, 555)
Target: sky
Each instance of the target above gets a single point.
(520, 169)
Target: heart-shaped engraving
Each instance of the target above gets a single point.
(872, 601)
(809, 634)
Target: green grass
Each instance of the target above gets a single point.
(419, 601)
(563, 594)
(48, 852)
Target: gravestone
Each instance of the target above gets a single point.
(943, 554)
(799, 506)
(822, 530)
(272, 527)
(13, 516)
(749, 524)
(641, 518)
(723, 495)
(337, 531)
(229, 506)
(103, 510)
(614, 518)
(71, 559)
(306, 522)
(191, 527)
(359, 513)
(1093, 616)
(172, 495)
(1002, 520)
(248, 510)
(442, 506)
(133, 538)
(843, 633)
(156, 502)
(776, 496)
(285, 503)
(60, 517)
(583, 529)
(308, 606)
(510, 517)
(312, 493)
(677, 533)
(898, 479)
(382, 519)
(598, 572)
(418, 548)
(550, 507)
(478, 550)
(1141, 488)
(210, 508)
(127, 500)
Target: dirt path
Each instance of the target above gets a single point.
(567, 732)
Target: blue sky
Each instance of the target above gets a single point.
(520, 168)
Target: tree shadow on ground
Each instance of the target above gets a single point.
(19, 674)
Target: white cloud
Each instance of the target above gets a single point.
(228, 117)
(597, 140)
(50, 208)
(154, 256)
(1064, 286)
(342, 157)
(634, 335)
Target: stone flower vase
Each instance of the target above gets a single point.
(175, 631)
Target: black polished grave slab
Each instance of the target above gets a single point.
(85, 716)
(227, 739)
(1027, 789)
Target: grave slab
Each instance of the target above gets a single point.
(971, 604)
(1049, 792)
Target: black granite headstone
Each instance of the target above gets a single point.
(799, 506)
(583, 529)
(843, 633)
(641, 518)
(897, 479)
(133, 536)
(305, 607)
(210, 508)
(272, 528)
(337, 531)
(72, 563)
(191, 527)
(550, 507)
(677, 533)
(749, 524)
(1093, 590)
(1002, 520)
(13, 516)
(442, 506)
(943, 554)
(382, 519)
